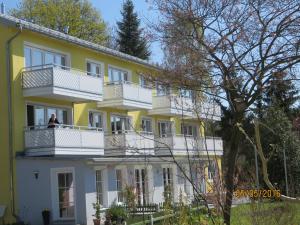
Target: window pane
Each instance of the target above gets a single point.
(27, 56)
(39, 114)
(49, 58)
(37, 57)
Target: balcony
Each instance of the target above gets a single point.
(51, 81)
(208, 110)
(126, 95)
(183, 145)
(63, 140)
(170, 105)
(129, 143)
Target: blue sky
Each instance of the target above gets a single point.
(110, 11)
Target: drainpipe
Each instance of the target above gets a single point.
(10, 121)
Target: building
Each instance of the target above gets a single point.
(114, 130)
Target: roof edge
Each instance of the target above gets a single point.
(10, 20)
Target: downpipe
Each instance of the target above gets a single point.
(10, 123)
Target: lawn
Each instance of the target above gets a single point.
(262, 213)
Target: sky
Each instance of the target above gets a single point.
(110, 11)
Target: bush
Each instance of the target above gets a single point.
(116, 214)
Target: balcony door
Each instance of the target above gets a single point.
(39, 115)
(63, 193)
(36, 57)
(141, 186)
(116, 75)
(164, 128)
(120, 124)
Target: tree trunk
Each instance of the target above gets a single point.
(230, 165)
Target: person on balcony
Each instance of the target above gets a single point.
(52, 121)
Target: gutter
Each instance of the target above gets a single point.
(10, 122)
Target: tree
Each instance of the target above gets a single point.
(242, 43)
(130, 39)
(83, 21)
(281, 93)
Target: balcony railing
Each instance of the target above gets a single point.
(61, 83)
(208, 110)
(63, 140)
(183, 145)
(129, 143)
(171, 105)
(126, 95)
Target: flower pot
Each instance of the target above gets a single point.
(46, 217)
(96, 221)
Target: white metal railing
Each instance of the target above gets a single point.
(130, 140)
(174, 102)
(183, 142)
(63, 77)
(127, 90)
(63, 136)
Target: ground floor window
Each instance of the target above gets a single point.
(66, 195)
(99, 186)
(119, 184)
(141, 186)
(168, 182)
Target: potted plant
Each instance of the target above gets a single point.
(97, 208)
(46, 216)
(117, 214)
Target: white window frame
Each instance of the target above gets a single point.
(147, 183)
(97, 182)
(102, 114)
(101, 64)
(36, 104)
(123, 116)
(159, 127)
(47, 49)
(192, 126)
(129, 74)
(120, 195)
(54, 192)
(151, 125)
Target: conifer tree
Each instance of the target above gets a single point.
(130, 39)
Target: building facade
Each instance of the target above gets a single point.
(115, 129)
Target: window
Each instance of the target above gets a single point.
(66, 195)
(187, 94)
(38, 115)
(93, 69)
(119, 184)
(95, 119)
(189, 130)
(164, 128)
(117, 75)
(141, 186)
(120, 124)
(168, 181)
(162, 90)
(37, 57)
(99, 186)
(144, 82)
(147, 125)
(211, 170)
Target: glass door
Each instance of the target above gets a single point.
(65, 191)
(141, 186)
(164, 128)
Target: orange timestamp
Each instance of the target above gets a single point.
(257, 193)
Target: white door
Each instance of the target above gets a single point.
(63, 194)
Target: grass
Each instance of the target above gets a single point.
(266, 213)
(256, 213)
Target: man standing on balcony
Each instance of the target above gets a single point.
(52, 121)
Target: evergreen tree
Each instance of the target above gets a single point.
(281, 93)
(130, 39)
